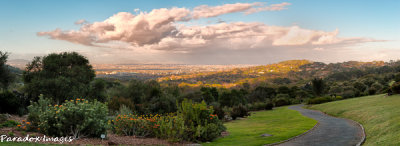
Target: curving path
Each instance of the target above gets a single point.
(331, 131)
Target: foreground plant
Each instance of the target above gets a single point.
(192, 122)
(78, 118)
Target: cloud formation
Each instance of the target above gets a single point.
(161, 29)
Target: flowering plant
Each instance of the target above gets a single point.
(77, 118)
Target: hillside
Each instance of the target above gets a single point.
(286, 72)
(378, 114)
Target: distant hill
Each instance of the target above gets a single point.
(19, 63)
(14, 69)
(286, 72)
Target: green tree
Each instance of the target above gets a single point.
(261, 94)
(6, 77)
(97, 90)
(318, 86)
(58, 76)
(360, 86)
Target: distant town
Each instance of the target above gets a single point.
(146, 71)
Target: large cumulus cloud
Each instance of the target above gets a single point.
(161, 29)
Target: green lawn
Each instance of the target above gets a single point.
(379, 115)
(282, 123)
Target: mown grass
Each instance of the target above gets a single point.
(282, 123)
(379, 115)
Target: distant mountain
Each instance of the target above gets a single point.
(14, 69)
(286, 72)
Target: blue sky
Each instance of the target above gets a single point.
(21, 20)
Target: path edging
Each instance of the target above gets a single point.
(364, 135)
(276, 143)
(363, 138)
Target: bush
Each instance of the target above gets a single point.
(219, 112)
(227, 111)
(134, 125)
(281, 100)
(79, 118)
(9, 103)
(3, 118)
(339, 98)
(371, 91)
(395, 87)
(269, 106)
(172, 127)
(192, 122)
(9, 123)
(239, 111)
(117, 102)
(348, 94)
(200, 123)
(260, 106)
(319, 100)
(27, 126)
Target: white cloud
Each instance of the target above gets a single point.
(160, 30)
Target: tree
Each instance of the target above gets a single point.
(97, 90)
(6, 77)
(261, 94)
(318, 86)
(359, 86)
(284, 90)
(58, 76)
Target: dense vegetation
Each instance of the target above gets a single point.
(197, 103)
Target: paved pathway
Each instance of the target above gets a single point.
(331, 131)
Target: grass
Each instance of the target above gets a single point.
(379, 115)
(282, 123)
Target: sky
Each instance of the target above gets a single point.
(202, 31)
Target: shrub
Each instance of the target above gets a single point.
(192, 122)
(79, 118)
(117, 102)
(258, 106)
(134, 125)
(395, 87)
(219, 112)
(348, 94)
(339, 98)
(27, 126)
(3, 118)
(319, 100)
(239, 111)
(197, 117)
(124, 110)
(9, 103)
(9, 123)
(269, 106)
(10, 134)
(37, 108)
(172, 127)
(227, 111)
(371, 91)
(281, 100)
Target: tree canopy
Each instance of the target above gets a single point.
(59, 76)
(6, 77)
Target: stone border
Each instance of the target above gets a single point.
(364, 135)
(280, 142)
(363, 138)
